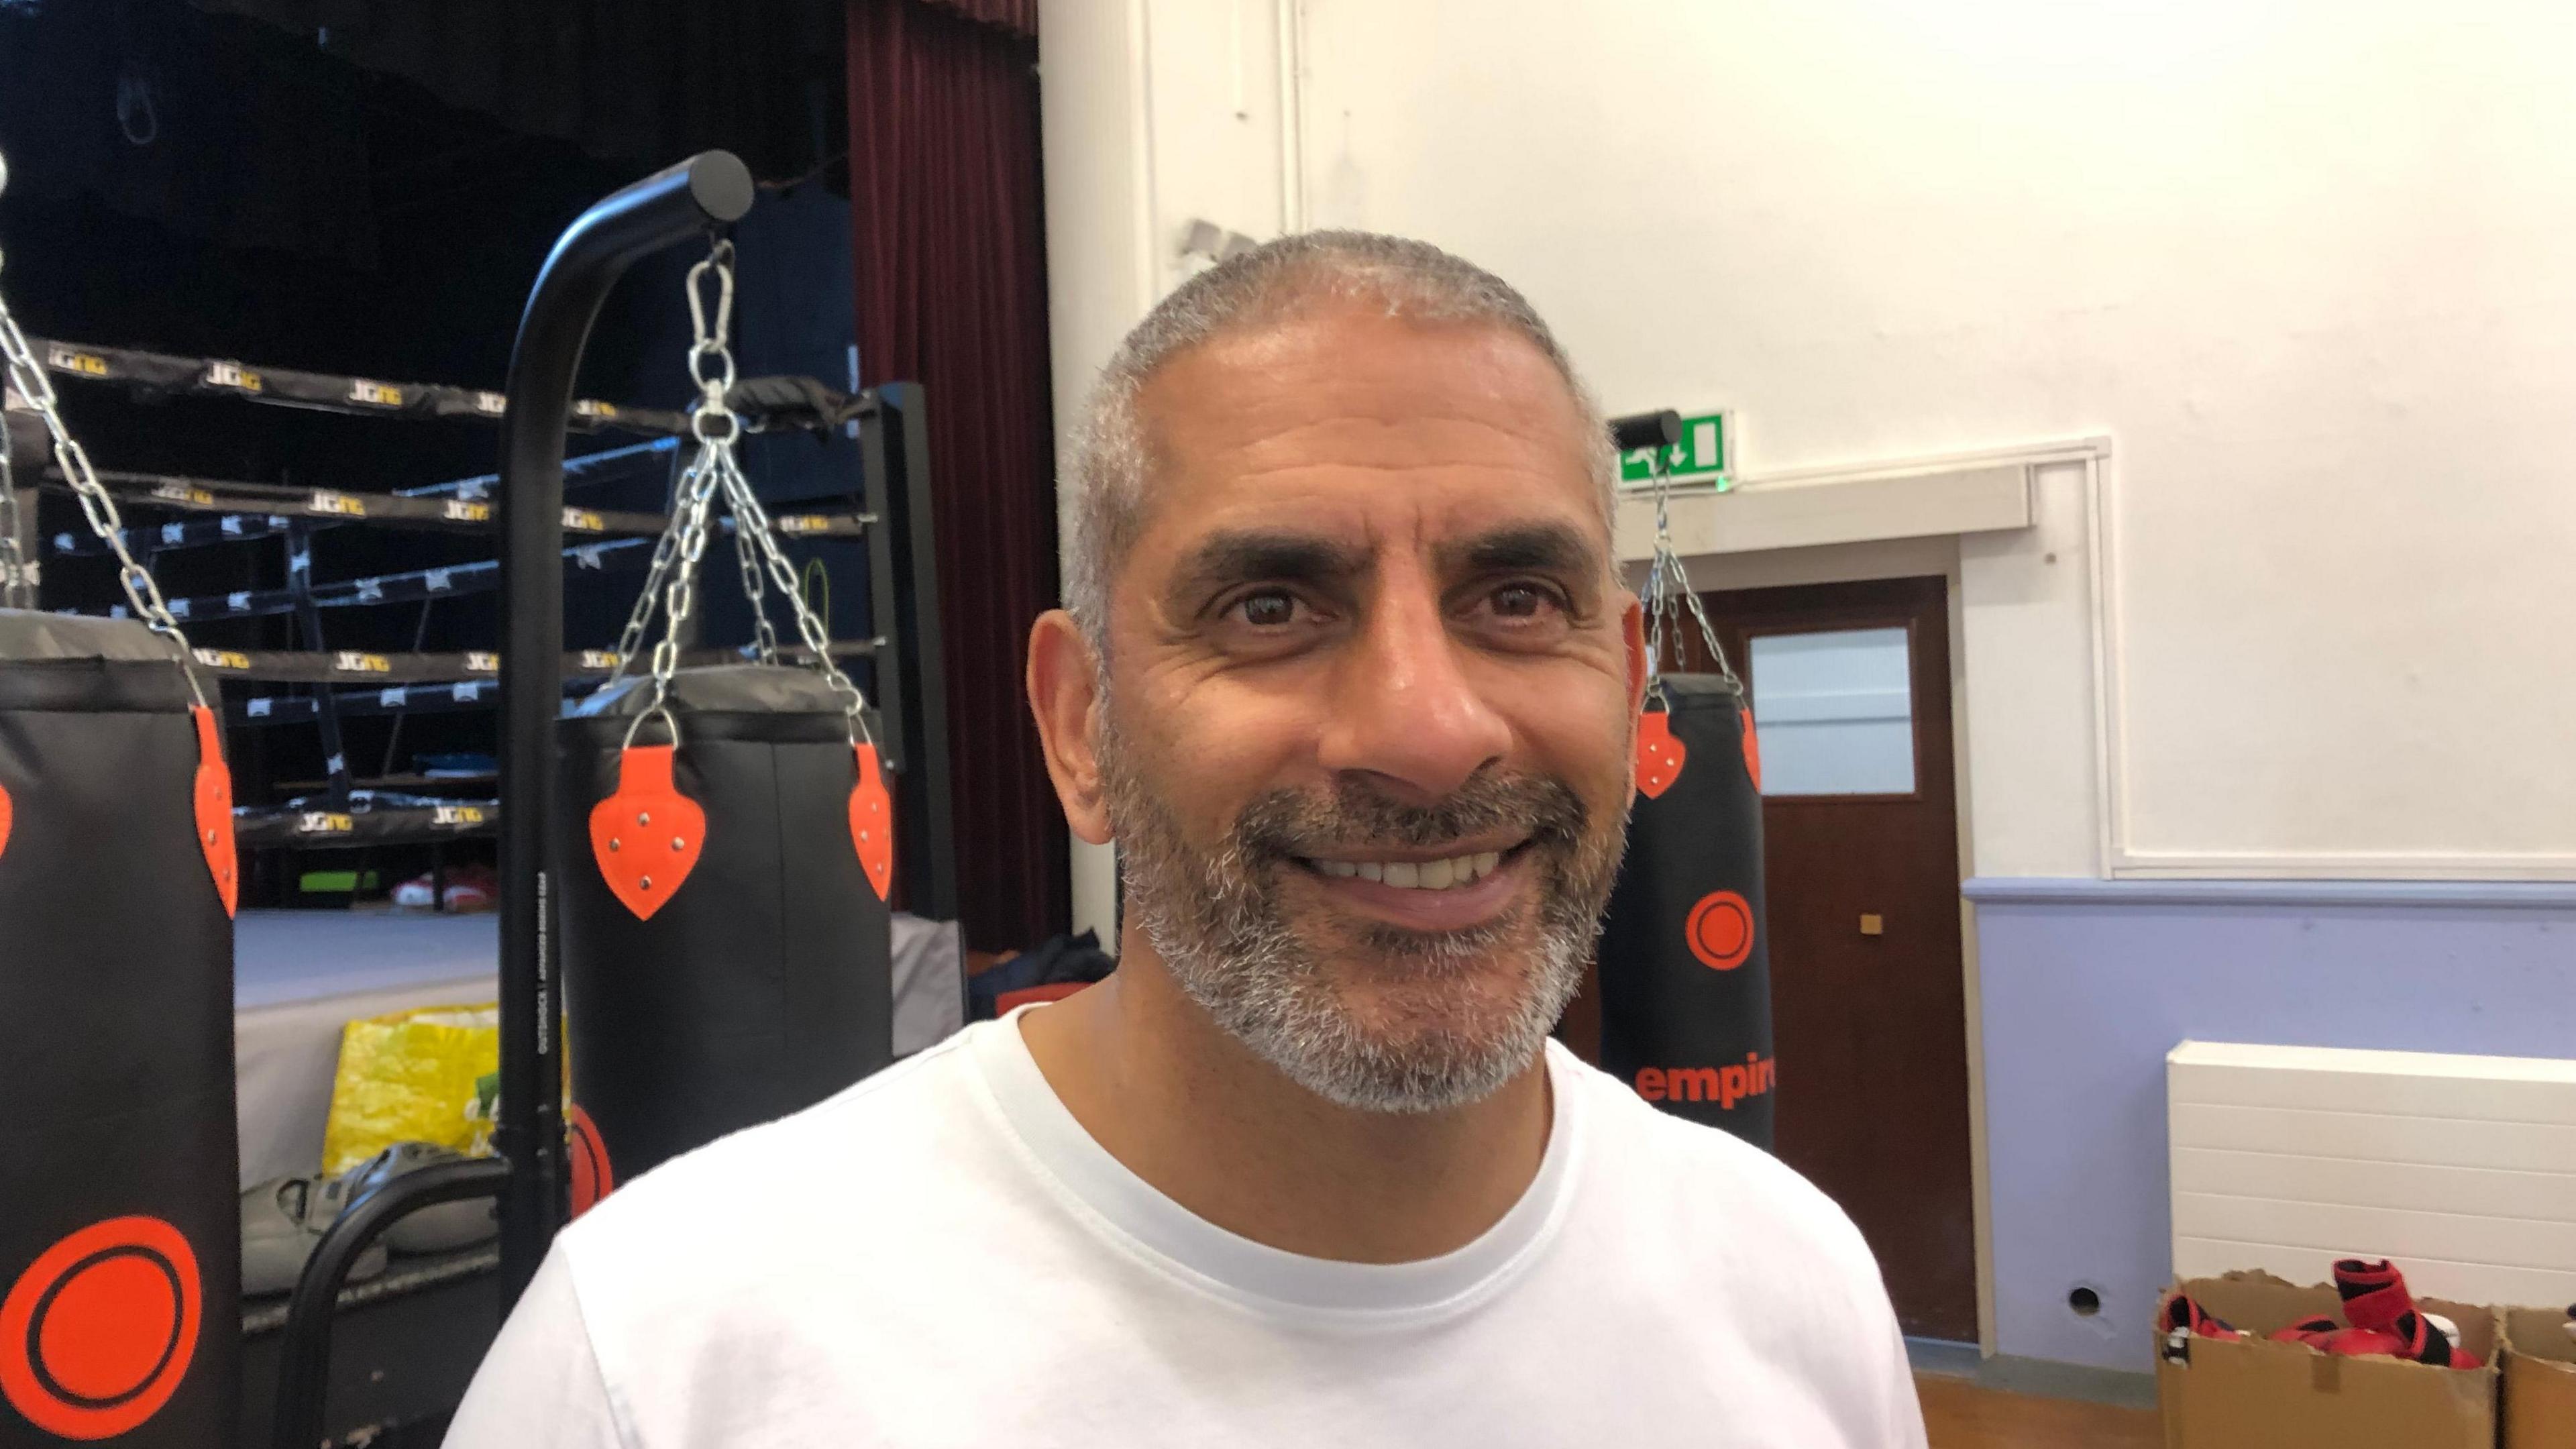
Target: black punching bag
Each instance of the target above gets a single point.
(727, 946)
(120, 1261)
(1685, 958)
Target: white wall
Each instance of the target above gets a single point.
(1091, 115)
(2311, 267)
(1154, 113)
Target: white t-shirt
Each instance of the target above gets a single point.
(941, 1255)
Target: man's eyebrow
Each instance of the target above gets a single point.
(1538, 547)
(1243, 556)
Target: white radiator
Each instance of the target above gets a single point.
(2463, 1169)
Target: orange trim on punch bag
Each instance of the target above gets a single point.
(7, 812)
(97, 1333)
(592, 1177)
(1660, 753)
(647, 837)
(871, 823)
(1752, 751)
(1720, 930)
(214, 801)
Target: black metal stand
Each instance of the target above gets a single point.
(304, 1355)
(910, 693)
(662, 210)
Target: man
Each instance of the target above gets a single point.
(1349, 675)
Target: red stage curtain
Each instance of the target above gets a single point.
(951, 258)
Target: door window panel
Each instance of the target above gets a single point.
(1835, 712)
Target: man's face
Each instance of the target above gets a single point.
(1372, 691)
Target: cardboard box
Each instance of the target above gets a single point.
(2539, 1380)
(2256, 1394)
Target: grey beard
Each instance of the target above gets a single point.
(1215, 919)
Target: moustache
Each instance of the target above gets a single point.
(1286, 825)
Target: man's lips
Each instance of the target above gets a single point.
(1499, 876)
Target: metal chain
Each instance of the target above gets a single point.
(631, 638)
(750, 518)
(683, 540)
(666, 548)
(630, 641)
(1669, 592)
(17, 580)
(697, 485)
(745, 552)
(27, 375)
(719, 431)
(17, 584)
(679, 599)
(752, 531)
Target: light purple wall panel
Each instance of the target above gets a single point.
(2087, 984)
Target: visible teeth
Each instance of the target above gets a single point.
(1429, 875)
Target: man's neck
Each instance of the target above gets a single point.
(1192, 1111)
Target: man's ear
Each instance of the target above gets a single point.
(1632, 626)
(1064, 696)
(1632, 630)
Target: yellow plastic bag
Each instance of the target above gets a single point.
(414, 1076)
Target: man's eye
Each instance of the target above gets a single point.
(1267, 610)
(1523, 602)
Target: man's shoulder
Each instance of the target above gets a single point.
(874, 1151)
(1731, 1244)
(1684, 1176)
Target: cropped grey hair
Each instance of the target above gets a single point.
(1272, 283)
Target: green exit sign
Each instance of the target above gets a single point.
(1706, 453)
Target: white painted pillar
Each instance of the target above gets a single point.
(1133, 153)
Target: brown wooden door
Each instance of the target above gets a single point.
(1861, 861)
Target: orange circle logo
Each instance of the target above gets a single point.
(97, 1333)
(1720, 930)
(591, 1177)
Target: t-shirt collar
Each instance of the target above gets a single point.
(1142, 1218)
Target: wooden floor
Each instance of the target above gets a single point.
(1961, 1415)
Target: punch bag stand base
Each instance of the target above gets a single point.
(662, 210)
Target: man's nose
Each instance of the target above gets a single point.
(1405, 708)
